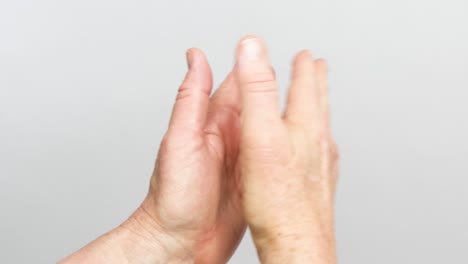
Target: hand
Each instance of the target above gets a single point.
(194, 194)
(289, 162)
(193, 212)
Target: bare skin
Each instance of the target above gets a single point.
(193, 212)
(233, 159)
(289, 161)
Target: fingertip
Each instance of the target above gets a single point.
(189, 58)
(247, 38)
(251, 48)
(302, 61)
(304, 54)
(196, 56)
(322, 64)
(199, 69)
(196, 52)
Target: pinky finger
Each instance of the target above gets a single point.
(321, 68)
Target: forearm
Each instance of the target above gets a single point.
(133, 242)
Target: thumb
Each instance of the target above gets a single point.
(258, 88)
(191, 106)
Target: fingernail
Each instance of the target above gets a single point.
(251, 49)
(188, 56)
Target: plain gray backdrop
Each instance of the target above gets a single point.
(86, 90)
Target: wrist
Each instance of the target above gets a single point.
(136, 241)
(147, 238)
(314, 243)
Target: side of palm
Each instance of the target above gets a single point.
(195, 187)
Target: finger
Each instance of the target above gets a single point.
(258, 89)
(322, 84)
(224, 108)
(226, 97)
(303, 95)
(223, 116)
(191, 106)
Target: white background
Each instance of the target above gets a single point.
(86, 89)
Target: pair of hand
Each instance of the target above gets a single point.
(234, 159)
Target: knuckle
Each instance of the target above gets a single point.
(184, 87)
(183, 95)
(334, 151)
(185, 91)
(189, 89)
(260, 83)
(331, 148)
(328, 144)
(170, 141)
